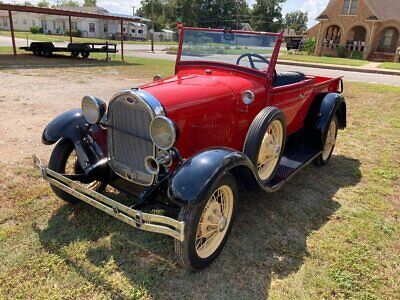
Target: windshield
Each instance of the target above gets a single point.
(227, 47)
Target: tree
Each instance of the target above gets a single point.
(297, 20)
(90, 3)
(26, 3)
(267, 15)
(69, 3)
(43, 3)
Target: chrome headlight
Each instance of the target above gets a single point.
(163, 133)
(93, 109)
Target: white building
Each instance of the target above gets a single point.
(92, 28)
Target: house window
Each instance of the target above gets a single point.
(124, 29)
(92, 27)
(74, 25)
(33, 23)
(133, 30)
(63, 25)
(350, 7)
(140, 31)
(105, 27)
(24, 21)
(5, 23)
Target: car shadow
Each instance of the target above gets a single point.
(269, 239)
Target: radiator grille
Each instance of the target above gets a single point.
(129, 140)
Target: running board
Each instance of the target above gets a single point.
(292, 162)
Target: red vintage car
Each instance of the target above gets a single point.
(184, 143)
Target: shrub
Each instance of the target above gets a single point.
(36, 30)
(356, 55)
(75, 33)
(309, 46)
(341, 52)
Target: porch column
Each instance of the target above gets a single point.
(70, 29)
(318, 47)
(12, 34)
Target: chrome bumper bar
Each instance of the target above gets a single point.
(135, 218)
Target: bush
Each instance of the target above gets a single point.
(356, 55)
(75, 33)
(309, 46)
(36, 29)
(341, 52)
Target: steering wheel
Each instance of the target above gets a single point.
(250, 57)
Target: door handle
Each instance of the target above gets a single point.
(302, 95)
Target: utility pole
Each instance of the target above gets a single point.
(133, 10)
(152, 25)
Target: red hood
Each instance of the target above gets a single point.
(180, 92)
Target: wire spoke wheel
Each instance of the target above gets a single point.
(270, 150)
(330, 140)
(72, 167)
(214, 221)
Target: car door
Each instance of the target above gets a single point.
(290, 99)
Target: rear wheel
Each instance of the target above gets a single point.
(330, 143)
(63, 160)
(207, 226)
(75, 53)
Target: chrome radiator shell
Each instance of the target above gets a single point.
(129, 143)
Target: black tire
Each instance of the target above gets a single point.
(47, 53)
(75, 53)
(57, 163)
(36, 52)
(185, 251)
(85, 54)
(321, 161)
(256, 134)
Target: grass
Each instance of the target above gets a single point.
(390, 66)
(330, 233)
(324, 60)
(62, 38)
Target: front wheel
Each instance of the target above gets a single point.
(207, 226)
(63, 160)
(330, 143)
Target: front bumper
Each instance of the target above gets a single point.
(135, 218)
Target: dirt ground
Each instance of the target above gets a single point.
(30, 98)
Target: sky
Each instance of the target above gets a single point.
(313, 7)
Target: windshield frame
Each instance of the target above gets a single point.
(272, 61)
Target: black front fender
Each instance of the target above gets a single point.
(191, 182)
(73, 126)
(64, 126)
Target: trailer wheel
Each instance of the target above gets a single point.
(47, 53)
(36, 52)
(75, 53)
(85, 54)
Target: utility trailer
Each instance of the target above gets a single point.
(47, 49)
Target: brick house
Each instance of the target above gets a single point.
(371, 27)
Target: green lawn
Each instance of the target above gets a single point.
(330, 233)
(390, 66)
(324, 60)
(62, 38)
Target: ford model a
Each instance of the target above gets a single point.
(226, 117)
